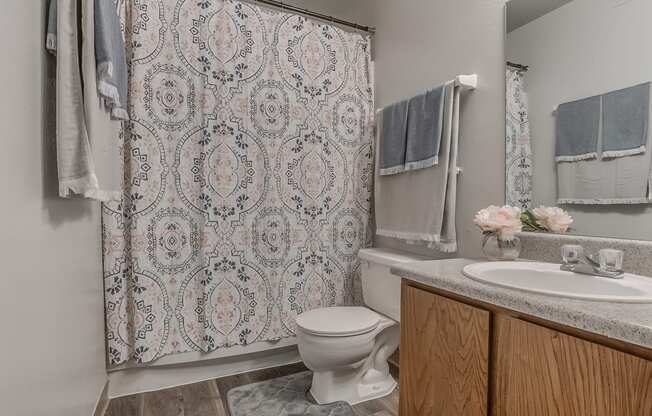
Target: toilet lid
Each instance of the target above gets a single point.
(339, 321)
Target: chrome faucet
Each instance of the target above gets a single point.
(608, 265)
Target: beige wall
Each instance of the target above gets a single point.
(572, 55)
(51, 305)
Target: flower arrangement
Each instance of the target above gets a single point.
(546, 219)
(505, 222)
(500, 226)
(502, 222)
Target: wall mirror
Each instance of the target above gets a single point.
(578, 111)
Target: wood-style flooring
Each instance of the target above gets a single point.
(208, 398)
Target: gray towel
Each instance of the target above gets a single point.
(578, 127)
(394, 138)
(626, 115)
(419, 206)
(112, 75)
(424, 129)
(51, 38)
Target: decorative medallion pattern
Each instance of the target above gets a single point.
(348, 233)
(270, 234)
(169, 97)
(350, 120)
(248, 167)
(270, 108)
(312, 58)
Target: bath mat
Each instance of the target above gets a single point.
(283, 396)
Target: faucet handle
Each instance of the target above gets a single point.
(611, 260)
(571, 253)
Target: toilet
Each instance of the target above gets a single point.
(347, 347)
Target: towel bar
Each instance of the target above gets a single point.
(467, 82)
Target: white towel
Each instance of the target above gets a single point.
(624, 180)
(419, 206)
(88, 154)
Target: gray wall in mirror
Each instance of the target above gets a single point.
(522, 12)
(584, 48)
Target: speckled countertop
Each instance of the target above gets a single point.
(631, 323)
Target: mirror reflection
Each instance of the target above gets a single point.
(578, 111)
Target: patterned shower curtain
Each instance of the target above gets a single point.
(518, 173)
(248, 169)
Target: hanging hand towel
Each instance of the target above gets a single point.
(611, 181)
(578, 127)
(419, 206)
(103, 129)
(88, 156)
(626, 115)
(112, 76)
(424, 128)
(393, 139)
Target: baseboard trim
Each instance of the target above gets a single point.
(102, 402)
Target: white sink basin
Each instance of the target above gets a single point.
(547, 279)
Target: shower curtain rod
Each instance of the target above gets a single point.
(325, 17)
(518, 66)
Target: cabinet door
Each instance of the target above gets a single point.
(444, 356)
(538, 371)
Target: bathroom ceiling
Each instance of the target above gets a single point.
(522, 12)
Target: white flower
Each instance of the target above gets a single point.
(553, 219)
(504, 221)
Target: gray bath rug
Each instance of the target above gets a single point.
(283, 396)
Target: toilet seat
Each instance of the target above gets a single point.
(339, 321)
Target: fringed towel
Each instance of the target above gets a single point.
(112, 76)
(424, 129)
(623, 180)
(578, 127)
(608, 181)
(394, 139)
(625, 120)
(419, 206)
(88, 151)
(410, 137)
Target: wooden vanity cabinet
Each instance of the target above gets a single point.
(461, 357)
(444, 358)
(540, 371)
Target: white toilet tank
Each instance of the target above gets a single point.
(381, 290)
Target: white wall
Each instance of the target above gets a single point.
(423, 43)
(51, 304)
(584, 48)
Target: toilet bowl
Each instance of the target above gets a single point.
(347, 347)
